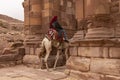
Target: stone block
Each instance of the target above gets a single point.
(73, 51)
(56, 5)
(71, 21)
(27, 50)
(74, 44)
(56, 12)
(35, 29)
(9, 60)
(31, 59)
(117, 32)
(13, 57)
(78, 63)
(70, 10)
(8, 51)
(33, 20)
(79, 35)
(114, 0)
(36, 8)
(63, 15)
(46, 13)
(47, 1)
(101, 32)
(105, 66)
(114, 52)
(63, 8)
(32, 51)
(37, 52)
(26, 9)
(69, 4)
(105, 53)
(45, 28)
(47, 6)
(70, 33)
(63, 22)
(86, 76)
(32, 2)
(115, 9)
(45, 20)
(109, 77)
(35, 14)
(93, 51)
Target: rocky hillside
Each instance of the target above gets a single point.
(10, 30)
(9, 19)
(10, 24)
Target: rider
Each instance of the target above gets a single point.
(55, 25)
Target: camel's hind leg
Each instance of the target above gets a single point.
(57, 57)
(66, 53)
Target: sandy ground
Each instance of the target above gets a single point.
(22, 72)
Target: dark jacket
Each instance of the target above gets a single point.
(57, 26)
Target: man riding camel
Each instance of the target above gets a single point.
(54, 24)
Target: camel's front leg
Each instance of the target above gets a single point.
(57, 57)
(46, 58)
(48, 48)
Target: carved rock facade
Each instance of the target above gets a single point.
(95, 48)
(38, 14)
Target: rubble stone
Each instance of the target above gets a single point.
(77, 63)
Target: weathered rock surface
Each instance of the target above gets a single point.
(12, 59)
(21, 72)
(77, 63)
(105, 66)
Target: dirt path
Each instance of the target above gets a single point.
(22, 72)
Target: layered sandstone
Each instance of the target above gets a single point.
(95, 48)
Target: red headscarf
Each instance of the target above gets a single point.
(52, 21)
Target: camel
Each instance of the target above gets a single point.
(49, 41)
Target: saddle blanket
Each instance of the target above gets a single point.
(52, 34)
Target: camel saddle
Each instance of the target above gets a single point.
(52, 34)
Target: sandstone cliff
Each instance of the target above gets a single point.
(10, 24)
(10, 30)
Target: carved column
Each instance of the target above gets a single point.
(32, 24)
(32, 16)
(64, 9)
